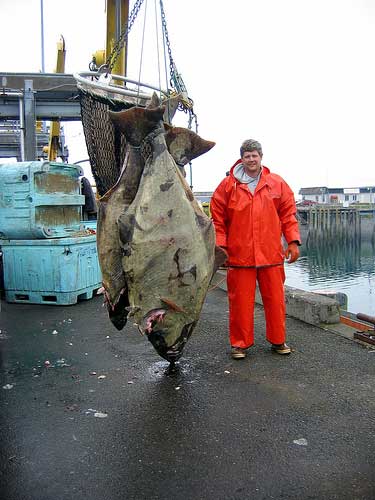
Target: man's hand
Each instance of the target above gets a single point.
(292, 252)
(225, 258)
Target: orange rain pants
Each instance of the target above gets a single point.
(241, 284)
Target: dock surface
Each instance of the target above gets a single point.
(90, 412)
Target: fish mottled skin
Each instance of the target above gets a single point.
(114, 203)
(168, 254)
(110, 207)
(184, 145)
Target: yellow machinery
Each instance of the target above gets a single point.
(117, 17)
(206, 208)
(54, 133)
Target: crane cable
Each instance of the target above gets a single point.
(141, 58)
(157, 43)
(176, 82)
(157, 49)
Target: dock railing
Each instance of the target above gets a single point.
(331, 220)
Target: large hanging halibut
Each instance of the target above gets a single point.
(140, 125)
(168, 246)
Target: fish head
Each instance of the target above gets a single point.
(184, 145)
(136, 122)
(168, 331)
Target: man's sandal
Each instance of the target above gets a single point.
(281, 348)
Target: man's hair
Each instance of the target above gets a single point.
(251, 145)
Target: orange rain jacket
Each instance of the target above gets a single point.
(250, 226)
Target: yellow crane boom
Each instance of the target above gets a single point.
(54, 133)
(117, 18)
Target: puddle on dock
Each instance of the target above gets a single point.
(162, 369)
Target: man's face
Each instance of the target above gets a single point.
(252, 161)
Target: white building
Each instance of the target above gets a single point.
(343, 196)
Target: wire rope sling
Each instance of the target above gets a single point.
(101, 91)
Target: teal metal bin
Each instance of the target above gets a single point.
(40, 200)
(57, 271)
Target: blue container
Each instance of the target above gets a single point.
(39, 200)
(57, 271)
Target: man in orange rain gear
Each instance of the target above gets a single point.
(252, 209)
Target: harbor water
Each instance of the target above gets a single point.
(337, 265)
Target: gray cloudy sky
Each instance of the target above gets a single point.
(297, 75)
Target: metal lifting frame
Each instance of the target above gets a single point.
(25, 98)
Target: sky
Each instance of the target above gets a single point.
(296, 75)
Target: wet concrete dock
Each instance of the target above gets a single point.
(90, 412)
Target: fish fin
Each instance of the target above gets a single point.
(171, 106)
(154, 101)
(132, 310)
(118, 314)
(172, 305)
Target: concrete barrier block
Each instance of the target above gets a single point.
(310, 307)
(341, 297)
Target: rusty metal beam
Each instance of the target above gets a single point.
(365, 337)
(368, 337)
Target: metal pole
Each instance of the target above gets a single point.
(29, 121)
(22, 130)
(44, 125)
(42, 32)
(118, 19)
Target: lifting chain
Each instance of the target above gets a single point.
(176, 81)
